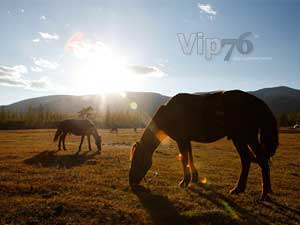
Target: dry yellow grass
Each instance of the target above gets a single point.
(39, 186)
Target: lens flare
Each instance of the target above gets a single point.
(123, 94)
(179, 156)
(203, 180)
(160, 135)
(133, 105)
(230, 211)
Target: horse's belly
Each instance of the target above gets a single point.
(208, 136)
(77, 133)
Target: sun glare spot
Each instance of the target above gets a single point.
(203, 180)
(230, 210)
(179, 156)
(133, 105)
(161, 135)
(123, 94)
(100, 68)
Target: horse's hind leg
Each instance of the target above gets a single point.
(194, 171)
(183, 148)
(245, 157)
(64, 140)
(59, 142)
(264, 165)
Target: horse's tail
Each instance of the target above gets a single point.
(57, 134)
(269, 133)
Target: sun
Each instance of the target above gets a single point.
(99, 69)
(105, 72)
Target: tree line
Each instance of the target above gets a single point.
(288, 119)
(41, 118)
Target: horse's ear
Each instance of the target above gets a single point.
(133, 149)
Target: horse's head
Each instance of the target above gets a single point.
(141, 161)
(98, 142)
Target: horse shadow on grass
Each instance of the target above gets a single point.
(162, 211)
(234, 210)
(292, 215)
(52, 159)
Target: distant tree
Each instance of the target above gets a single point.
(86, 112)
(283, 120)
(2, 114)
(108, 119)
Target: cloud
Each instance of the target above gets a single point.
(42, 83)
(36, 69)
(45, 63)
(206, 8)
(162, 62)
(14, 77)
(36, 40)
(43, 18)
(48, 36)
(146, 70)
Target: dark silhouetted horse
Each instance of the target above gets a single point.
(77, 127)
(242, 117)
(114, 130)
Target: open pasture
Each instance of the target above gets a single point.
(41, 186)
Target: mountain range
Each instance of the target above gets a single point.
(280, 99)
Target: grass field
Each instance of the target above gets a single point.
(41, 186)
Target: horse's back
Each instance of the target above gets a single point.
(244, 114)
(74, 126)
(198, 117)
(207, 117)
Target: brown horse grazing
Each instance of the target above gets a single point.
(206, 118)
(114, 130)
(77, 127)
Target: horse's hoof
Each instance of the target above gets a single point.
(265, 198)
(195, 178)
(236, 191)
(183, 183)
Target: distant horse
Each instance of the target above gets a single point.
(77, 127)
(207, 118)
(114, 130)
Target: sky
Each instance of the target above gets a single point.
(95, 47)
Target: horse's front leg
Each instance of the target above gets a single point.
(195, 177)
(183, 147)
(64, 141)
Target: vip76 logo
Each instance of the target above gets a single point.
(214, 46)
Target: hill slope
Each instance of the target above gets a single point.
(280, 99)
(146, 101)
